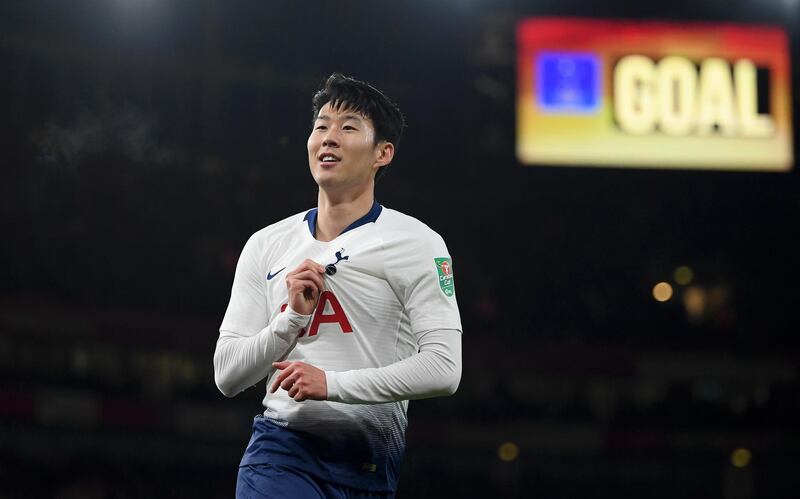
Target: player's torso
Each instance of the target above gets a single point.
(359, 320)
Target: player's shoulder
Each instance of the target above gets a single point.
(397, 225)
(279, 230)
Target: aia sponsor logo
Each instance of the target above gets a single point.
(337, 315)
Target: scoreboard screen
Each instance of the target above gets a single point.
(653, 94)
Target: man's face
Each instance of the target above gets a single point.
(341, 149)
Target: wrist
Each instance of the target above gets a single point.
(332, 385)
(295, 319)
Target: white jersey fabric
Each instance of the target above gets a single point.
(386, 328)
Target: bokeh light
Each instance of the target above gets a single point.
(662, 291)
(683, 275)
(508, 451)
(740, 458)
(694, 301)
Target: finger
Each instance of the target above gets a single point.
(309, 275)
(317, 278)
(305, 275)
(281, 365)
(289, 383)
(317, 283)
(282, 376)
(307, 264)
(295, 271)
(299, 286)
(294, 391)
(303, 266)
(314, 265)
(275, 385)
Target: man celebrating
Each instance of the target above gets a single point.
(363, 319)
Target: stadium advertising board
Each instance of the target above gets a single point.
(653, 94)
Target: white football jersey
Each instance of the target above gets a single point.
(393, 280)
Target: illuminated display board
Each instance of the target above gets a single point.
(653, 94)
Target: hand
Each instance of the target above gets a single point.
(305, 285)
(302, 381)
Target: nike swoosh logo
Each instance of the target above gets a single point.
(270, 276)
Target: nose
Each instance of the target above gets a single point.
(330, 139)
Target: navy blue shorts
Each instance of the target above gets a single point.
(260, 481)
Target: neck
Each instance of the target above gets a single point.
(336, 211)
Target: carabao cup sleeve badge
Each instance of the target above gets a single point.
(445, 270)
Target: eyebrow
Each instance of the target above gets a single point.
(344, 117)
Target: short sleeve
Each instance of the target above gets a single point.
(247, 310)
(420, 270)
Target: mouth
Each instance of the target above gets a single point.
(328, 160)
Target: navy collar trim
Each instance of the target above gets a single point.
(371, 216)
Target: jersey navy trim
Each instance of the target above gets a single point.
(371, 216)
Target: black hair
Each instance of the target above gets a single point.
(344, 92)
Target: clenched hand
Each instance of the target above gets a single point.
(305, 285)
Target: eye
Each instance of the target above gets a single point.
(348, 127)
(320, 127)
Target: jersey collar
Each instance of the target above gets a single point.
(371, 216)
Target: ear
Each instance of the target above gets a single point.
(384, 153)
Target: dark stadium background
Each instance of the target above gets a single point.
(143, 141)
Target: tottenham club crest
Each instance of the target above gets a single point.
(445, 271)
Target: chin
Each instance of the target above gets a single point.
(326, 179)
